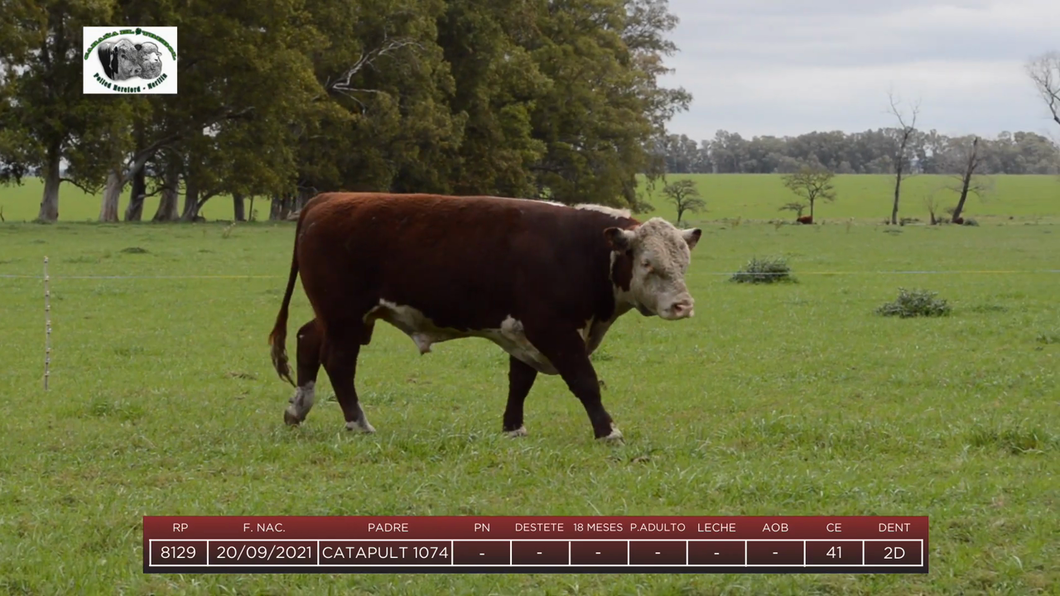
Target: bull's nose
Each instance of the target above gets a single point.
(682, 310)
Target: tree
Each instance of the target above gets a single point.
(903, 150)
(684, 195)
(797, 206)
(969, 183)
(497, 82)
(1044, 70)
(813, 183)
(604, 103)
(45, 116)
(381, 120)
(169, 188)
(931, 202)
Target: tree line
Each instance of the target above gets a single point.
(809, 161)
(282, 99)
(901, 150)
(286, 98)
(868, 152)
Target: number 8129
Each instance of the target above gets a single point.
(179, 551)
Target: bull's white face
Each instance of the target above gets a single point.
(661, 254)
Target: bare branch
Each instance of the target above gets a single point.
(902, 138)
(915, 111)
(343, 83)
(1045, 72)
(389, 46)
(88, 190)
(970, 182)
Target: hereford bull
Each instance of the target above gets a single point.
(541, 280)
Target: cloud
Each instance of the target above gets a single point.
(763, 67)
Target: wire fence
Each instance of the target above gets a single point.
(800, 273)
(47, 278)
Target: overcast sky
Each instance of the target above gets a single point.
(786, 67)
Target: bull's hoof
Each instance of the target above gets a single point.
(519, 432)
(361, 426)
(614, 437)
(290, 419)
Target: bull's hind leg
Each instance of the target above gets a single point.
(310, 341)
(520, 379)
(340, 361)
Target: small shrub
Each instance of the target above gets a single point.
(134, 250)
(1049, 337)
(970, 222)
(763, 271)
(915, 303)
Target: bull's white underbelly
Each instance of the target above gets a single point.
(510, 336)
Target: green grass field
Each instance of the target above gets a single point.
(790, 399)
(749, 196)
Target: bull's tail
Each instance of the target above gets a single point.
(278, 337)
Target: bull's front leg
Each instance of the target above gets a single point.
(566, 351)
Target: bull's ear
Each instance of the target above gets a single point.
(619, 239)
(692, 237)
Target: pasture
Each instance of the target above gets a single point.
(865, 198)
(786, 399)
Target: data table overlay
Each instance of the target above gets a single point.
(510, 544)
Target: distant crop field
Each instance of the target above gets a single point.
(782, 399)
(749, 196)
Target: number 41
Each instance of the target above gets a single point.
(835, 551)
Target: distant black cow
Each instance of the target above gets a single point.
(543, 281)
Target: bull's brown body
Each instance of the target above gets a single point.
(542, 281)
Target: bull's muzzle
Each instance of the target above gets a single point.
(682, 309)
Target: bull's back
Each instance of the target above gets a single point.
(460, 260)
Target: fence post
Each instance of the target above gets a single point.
(47, 326)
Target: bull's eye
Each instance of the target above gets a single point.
(646, 264)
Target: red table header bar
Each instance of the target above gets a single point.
(535, 527)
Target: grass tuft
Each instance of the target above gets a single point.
(1015, 440)
(1048, 337)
